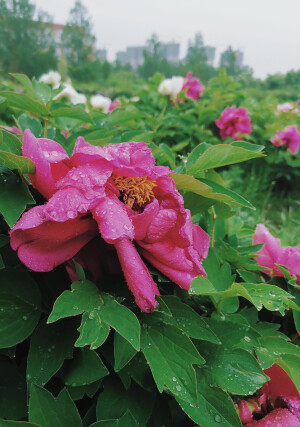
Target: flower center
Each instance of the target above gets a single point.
(136, 191)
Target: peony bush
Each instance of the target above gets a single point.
(136, 286)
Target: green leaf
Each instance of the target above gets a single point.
(120, 117)
(126, 420)
(115, 401)
(209, 190)
(296, 314)
(123, 352)
(214, 406)
(89, 390)
(10, 142)
(42, 91)
(21, 164)
(137, 136)
(24, 102)
(50, 345)
(172, 369)
(93, 330)
(13, 402)
(271, 297)
(19, 302)
(234, 335)
(77, 113)
(27, 122)
(15, 196)
(10, 423)
(186, 319)
(274, 348)
(47, 411)
(85, 368)
(221, 155)
(24, 80)
(101, 311)
(196, 153)
(248, 146)
(234, 370)
(291, 366)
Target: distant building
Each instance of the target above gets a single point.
(239, 57)
(229, 56)
(101, 54)
(210, 52)
(170, 51)
(56, 30)
(135, 57)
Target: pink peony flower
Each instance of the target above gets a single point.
(116, 103)
(194, 87)
(234, 122)
(289, 137)
(273, 253)
(12, 129)
(280, 395)
(116, 191)
(178, 84)
(276, 418)
(285, 107)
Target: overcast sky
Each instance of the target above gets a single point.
(267, 31)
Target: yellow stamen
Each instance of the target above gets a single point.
(136, 191)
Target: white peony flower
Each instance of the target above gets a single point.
(70, 93)
(51, 78)
(287, 106)
(171, 86)
(101, 102)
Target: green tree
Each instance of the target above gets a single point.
(26, 46)
(229, 60)
(77, 38)
(154, 60)
(196, 59)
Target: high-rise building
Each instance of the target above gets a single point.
(210, 52)
(170, 51)
(101, 54)
(134, 55)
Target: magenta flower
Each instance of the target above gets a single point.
(289, 137)
(12, 129)
(273, 253)
(234, 122)
(194, 87)
(279, 396)
(116, 191)
(116, 103)
(298, 102)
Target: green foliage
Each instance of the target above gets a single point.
(202, 350)
(27, 45)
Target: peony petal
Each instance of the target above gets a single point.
(142, 221)
(201, 241)
(279, 384)
(271, 251)
(67, 204)
(131, 159)
(50, 159)
(42, 245)
(292, 403)
(138, 278)
(181, 265)
(113, 220)
(277, 418)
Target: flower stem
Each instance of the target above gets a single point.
(46, 128)
(213, 226)
(161, 117)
